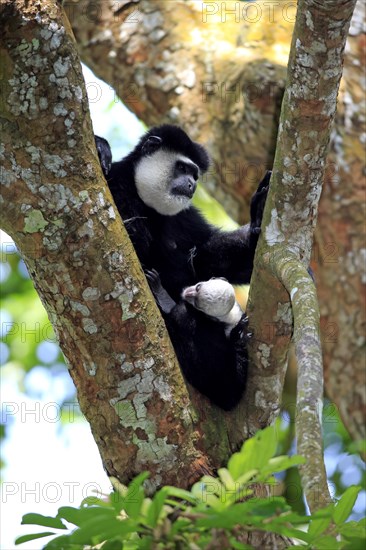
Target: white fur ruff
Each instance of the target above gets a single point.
(153, 176)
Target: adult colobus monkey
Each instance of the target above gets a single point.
(152, 188)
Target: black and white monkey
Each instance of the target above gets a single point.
(152, 188)
(209, 333)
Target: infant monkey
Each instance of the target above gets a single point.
(209, 333)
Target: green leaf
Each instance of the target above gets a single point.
(181, 525)
(266, 444)
(252, 512)
(255, 453)
(99, 529)
(145, 543)
(181, 493)
(157, 503)
(118, 487)
(210, 492)
(285, 529)
(355, 544)
(95, 501)
(133, 501)
(131, 498)
(246, 478)
(207, 485)
(145, 507)
(134, 485)
(318, 526)
(239, 464)
(280, 463)
(70, 514)
(163, 497)
(344, 506)
(26, 538)
(328, 543)
(353, 529)
(226, 479)
(45, 521)
(354, 533)
(78, 516)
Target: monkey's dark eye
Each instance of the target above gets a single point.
(181, 167)
(186, 169)
(198, 286)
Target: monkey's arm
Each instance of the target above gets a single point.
(163, 299)
(230, 254)
(181, 325)
(257, 204)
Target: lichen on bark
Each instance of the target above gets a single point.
(284, 250)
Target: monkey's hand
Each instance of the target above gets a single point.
(257, 204)
(164, 301)
(241, 331)
(104, 154)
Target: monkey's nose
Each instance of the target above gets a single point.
(189, 292)
(185, 187)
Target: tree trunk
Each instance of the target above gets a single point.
(284, 248)
(59, 211)
(339, 251)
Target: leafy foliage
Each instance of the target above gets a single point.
(227, 503)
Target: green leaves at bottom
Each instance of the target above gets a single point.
(27, 538)
(177, 518)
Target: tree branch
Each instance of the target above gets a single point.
(309, 401)
(308, 109)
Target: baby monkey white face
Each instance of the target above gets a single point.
(215, 297)
(166, 181)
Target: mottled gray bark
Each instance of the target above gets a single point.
(58, 209)
(284, 250)
(174, 61)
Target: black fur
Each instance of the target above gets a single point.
(185, 249)
(213, 363)
(173, 139)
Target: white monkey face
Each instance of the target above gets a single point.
(162, 185)
(215, 297)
